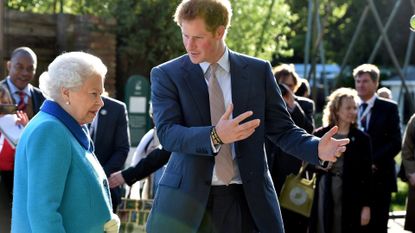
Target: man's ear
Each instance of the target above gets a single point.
(220, 32)
(9, 65)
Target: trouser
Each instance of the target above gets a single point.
(379, 210)
(6, 187)
(227, 211)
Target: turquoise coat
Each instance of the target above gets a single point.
(59, 185)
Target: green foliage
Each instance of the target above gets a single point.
(147, 34)
(334, 18)
(340, 19)
(248, 23)
(94, 7)
(399, 198)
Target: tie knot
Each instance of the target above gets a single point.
(211, 72)
(213, 67)
(21, 94)
(364, 106)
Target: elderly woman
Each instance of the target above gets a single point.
(343, 188)
(59, 184)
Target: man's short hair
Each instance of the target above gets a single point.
(215, 13)
(370, 69)
(26, 51)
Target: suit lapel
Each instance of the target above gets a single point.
(240, 83)
(373, 115)
(195, 80)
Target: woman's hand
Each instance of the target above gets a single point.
(365, 216)
(22, 118)
(116, 179)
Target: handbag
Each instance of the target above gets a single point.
(297, 193)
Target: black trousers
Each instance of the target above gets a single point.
(227, 211)
(7, 179)
(379, 210)
(293, 222)
(6, 189)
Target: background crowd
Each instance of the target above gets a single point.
(76, 142)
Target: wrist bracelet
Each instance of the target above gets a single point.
(215, 137)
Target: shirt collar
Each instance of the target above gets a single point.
(370, 102)
(79, 132)
(14, 89)
(223, 62)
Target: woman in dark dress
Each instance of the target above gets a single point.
(343, 188)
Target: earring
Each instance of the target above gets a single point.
(67, 103)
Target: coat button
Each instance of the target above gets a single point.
(105, 183)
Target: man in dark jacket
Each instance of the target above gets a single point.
(22, 69)
(379, 118)
(111, 137)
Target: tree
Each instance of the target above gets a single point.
(341, 18)
(147, 35)
(248, 24)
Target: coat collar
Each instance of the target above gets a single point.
(79, 132)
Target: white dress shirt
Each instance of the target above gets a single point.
(223, 74)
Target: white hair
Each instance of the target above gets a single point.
(69, 70)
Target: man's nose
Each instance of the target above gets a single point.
(190, 43)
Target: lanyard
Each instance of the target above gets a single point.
(366, 112)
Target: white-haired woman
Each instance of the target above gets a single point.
(344, 188)
(59, 184)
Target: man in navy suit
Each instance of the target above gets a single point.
(111, 137)
(22, 69)
(195, 193)
(379, 117)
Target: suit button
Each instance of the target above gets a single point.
(105, 183)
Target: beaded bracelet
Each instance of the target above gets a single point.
(215, 137)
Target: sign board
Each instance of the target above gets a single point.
(137, 98)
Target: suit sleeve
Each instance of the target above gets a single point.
(168, 117)
(154, 161)
(303, 118)
(48, 163)
(408, 150)
(121, 142)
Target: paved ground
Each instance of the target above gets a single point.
(396, 224)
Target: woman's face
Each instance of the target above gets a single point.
(347, 111)
(85, 102)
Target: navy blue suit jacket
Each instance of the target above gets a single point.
(182, 117)
(112, 139)
(385, 133)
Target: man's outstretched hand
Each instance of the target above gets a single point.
(329, 149)
(230, 130)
